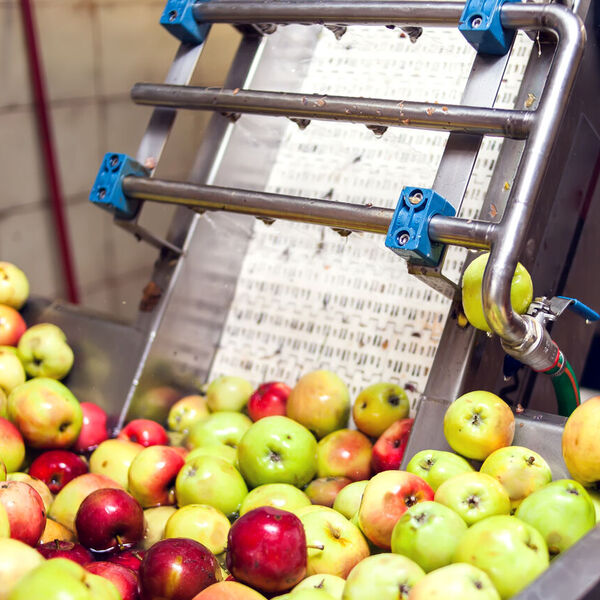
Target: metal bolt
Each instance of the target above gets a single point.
(114, 160)
(102, 193)
(415, 197)
(172, 15)
(476, 22)
(403, 238)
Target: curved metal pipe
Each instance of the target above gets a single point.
(516, 331)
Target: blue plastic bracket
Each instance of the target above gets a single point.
(482, 27)
(408, 233)
(178, 19)
(107, 191)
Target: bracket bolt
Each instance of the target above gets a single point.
(403, 238)
(102, 193)
(415, 197)
(172, 15)
(476, 22)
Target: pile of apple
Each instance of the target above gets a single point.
(246, 494)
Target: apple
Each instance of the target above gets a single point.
(386, 498)
(344, 453)
(3, 403)
(520, 471)
(478, 423)
(46, 413)
(561, 511)
(113, 459)
(109, 520)
(93, 429)
(378, 406)
(44, 351)
(12, 372)
(389, 449)
(278, 450)
(436, 466)
(177, 569)
(228, 590)
(124, 579)
(384, 577)
(268, 400)
(277, 495)
(332, 584)
(323, 491)
(12, 446)
(321, 402)
(12, 326)
(57, 467)
(580, 446)
(509, 550)
(224, 427)
(66, 504)
(428, 533)
(25, 511)
(152, 475)
(37, 484)
(213, 481)
(155, 520)
(306, 594)
(144, 432)
(132, 559)
(55, 531)
(595, 497)
(335, 545)
(14, 285)
(4, 523)
(459, 581)
(266, 549)
(60, 549)
(228, 393)
(16, 560)
(186, 412)
(521, 291)
(474, 496)
(202, 523)
(2, 471)
(347, 502)
(219, 450)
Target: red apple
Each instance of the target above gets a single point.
(61, 549)
(388, 450)
(177, 569)
(12, 326)
(12, 446)
(57, 467)
(344, 453)
(268, 399)
(124, 579)
(144, 432)
(25, 510)
(132, 559)
(108, 520)
(93, 431)
(266, 549)
(323, 490)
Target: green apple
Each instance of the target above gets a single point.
(3, 405)
(100, 588)
(335, 545)
(428, 533)
(478, 423)
(12, 446)
(46, 413)
(561, 511)
(67, 501)
(187, 411)
(332, 584)
(521, 291)
(474, 496)
(225, 427)
(228, 393)
(155, 521)
(37, 484)
(44, 351)
(202, 523)
(277, 450)
(378, 406)
(306, 594)
(213, 481)
(16, 560)
(2, 471)
(14, 285)
(347, 502)
(459, 581)
(277, 495)
(521, 471)
(12, 372)
(510, 551)
(321, 402)
(595, 497)
(384, 577)
(113, 459)
(219, 450)
(436, 466)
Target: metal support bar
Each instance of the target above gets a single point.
(373, 112)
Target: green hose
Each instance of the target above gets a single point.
(565, 385)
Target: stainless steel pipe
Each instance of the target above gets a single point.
(373, 112)
(330, 12)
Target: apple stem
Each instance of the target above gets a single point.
(119, 543)
(315, 546)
